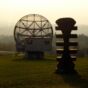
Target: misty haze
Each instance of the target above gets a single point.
(9, 29)
(43, 43)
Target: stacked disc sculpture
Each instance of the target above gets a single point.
(66, 46)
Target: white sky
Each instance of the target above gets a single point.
(13, 10)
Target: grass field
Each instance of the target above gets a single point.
(16, 72)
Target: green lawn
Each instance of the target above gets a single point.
(16, 72)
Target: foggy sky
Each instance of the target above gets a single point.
(13, 10)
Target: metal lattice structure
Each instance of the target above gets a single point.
(32, 25)
(33, 28)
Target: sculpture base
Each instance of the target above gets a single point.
(67, 67)
(59, 71)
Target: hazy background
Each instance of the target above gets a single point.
(12, 10)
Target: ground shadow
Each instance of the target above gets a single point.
(76, 81)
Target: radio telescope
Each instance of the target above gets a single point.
(33, 34)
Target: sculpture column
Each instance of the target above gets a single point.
(67, 54)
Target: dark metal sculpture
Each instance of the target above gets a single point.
(66, 55)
